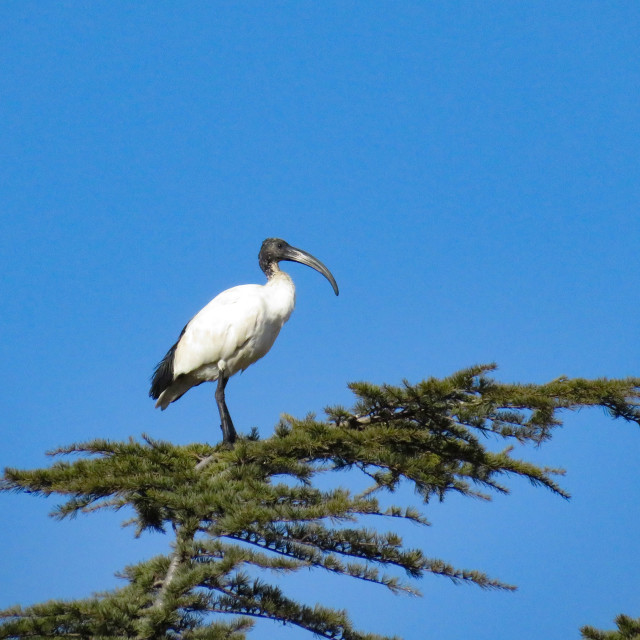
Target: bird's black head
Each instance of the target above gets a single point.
(274, 250)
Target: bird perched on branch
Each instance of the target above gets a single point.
(235, 329)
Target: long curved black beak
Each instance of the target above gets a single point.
(298, 255)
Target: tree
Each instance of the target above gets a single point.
(238, 513)
(628, 629)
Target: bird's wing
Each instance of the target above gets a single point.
(220, 329)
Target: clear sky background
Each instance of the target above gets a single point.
(469, 171)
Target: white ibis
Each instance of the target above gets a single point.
(234, 330)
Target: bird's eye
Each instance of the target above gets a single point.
(280, 245)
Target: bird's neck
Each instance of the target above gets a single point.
(269, 267)
(272, 270)
(282, 298)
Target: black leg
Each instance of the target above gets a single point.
(228, 430)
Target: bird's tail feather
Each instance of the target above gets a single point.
(163, 374)
(176, 390)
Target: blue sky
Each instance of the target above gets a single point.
(469, 171)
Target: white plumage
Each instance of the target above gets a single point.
(235, 329)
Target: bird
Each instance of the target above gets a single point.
(237, 328)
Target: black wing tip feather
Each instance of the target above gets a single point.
(163, 374)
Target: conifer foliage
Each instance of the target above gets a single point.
(628, 629)
(236, 515)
